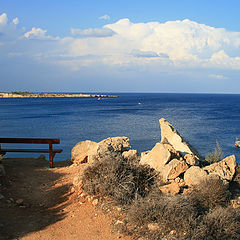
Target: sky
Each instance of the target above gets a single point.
(182, 46)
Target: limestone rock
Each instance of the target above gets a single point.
(191, 159)
(170, 134)
(157, 157)
(109, 146)
(170, 189)
(81, 151)
(194, 175)
(225, 169)
(173, 169)
(130, 154)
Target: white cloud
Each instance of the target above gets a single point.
(105, 17)
(186, 44)
(152, 45)
(15, 21)
(217, 76)
(39, 34)
(3, 19)
(92, 32)
(148, 54)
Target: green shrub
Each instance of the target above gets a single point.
(215, 156)
(220, 223)
(115, 177)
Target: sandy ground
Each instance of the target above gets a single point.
(47, 208)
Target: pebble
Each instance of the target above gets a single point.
(95, 202)
(173, 232)
(118, 222)
(19, 201)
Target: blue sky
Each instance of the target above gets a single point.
(115, 46)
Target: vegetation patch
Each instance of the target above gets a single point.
(215, 156)
(204, 213)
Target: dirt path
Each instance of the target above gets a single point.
(46, 209)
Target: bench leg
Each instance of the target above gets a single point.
(51, 155)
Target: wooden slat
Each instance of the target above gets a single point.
(31, 150)
(31, 140)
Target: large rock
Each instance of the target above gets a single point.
(157, 157)
(225, 169)
(173, 169)
(81, 151)
(194, 175)
(170, 134)
(109, 146)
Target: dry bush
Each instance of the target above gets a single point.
(220, 223)
(209, 194)
(115, 177)
(169, 213)
(215, 156)
(234, 186)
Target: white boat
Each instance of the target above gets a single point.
(237, 143)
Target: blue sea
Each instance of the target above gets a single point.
(202, 119)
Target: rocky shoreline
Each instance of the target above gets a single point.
(50, 95)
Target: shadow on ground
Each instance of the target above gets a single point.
(44, 193)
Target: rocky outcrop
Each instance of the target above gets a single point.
(172, 156)
(81, 151)
(89, 151)
(170, 134)
(225, 169)
(174, 160)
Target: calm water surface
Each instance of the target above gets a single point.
(200, 118)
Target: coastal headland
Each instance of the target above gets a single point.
(50, 95)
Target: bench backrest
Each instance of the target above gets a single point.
(31, 140)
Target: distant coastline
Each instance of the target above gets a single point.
(49, 95)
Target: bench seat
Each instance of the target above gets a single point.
(4, 150)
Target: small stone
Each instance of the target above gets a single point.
(173, 232)
(19, 201)
(119, 222)
(83, 194)
(153, 226)
(95, 202)
(89, 198)
(235, 204)
(118, 209)
(72, 190)
(178, 179)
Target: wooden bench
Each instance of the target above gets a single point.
(50, 150)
